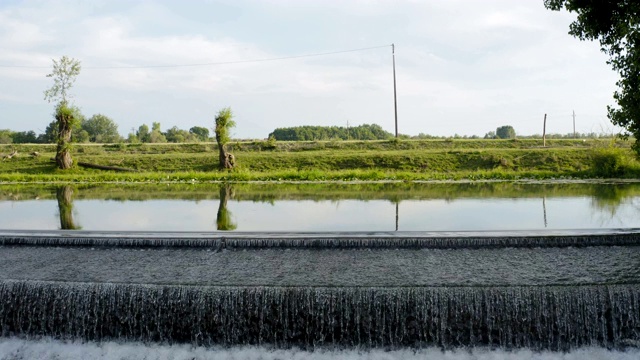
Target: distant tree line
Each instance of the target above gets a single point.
(307, 133)
(102, 129)
(174, 134)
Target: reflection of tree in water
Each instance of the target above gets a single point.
(64, 194)
(224, 219)
(608, 198)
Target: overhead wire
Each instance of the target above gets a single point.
(207, 63)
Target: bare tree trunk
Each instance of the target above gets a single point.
(63, 155)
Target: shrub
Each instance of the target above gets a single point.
(609, 162)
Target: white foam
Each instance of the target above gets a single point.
(18, 349)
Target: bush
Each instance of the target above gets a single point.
(609, 162)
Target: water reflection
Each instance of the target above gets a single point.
(224, 220)
(321, 207)
(544, 210)
(64, 195)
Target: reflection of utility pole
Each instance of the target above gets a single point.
(395, 100)
(544, 210)
(397, 216)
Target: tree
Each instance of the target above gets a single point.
(143, 133)
(80, 136)
(490, 135)
(201, 132)
(506, 132)
(50, 133)
(132, 138)
(101, 129)
(156, 135)
(24, 137)
(179, 135)
(224, 123)
(65, 119)
(6, 136)
(306, 133)
(64, 74)
(616, 25)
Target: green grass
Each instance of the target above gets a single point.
(332, 161)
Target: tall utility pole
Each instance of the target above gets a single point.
(574, 124)
(395, 99)
(544, 131)
(348, 134)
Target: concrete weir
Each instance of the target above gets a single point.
(538, 290)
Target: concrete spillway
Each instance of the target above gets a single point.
(564, 290)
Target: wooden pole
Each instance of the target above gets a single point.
(544, 131)
(397, 217)
(395, 99)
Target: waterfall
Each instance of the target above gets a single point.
(543, 317)
(401, 240)
(508, 291)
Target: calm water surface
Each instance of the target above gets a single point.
(321, 207)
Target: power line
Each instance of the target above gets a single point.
(206, 64)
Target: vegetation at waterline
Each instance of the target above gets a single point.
(331, 161)
(270, 192)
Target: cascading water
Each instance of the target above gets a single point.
(509, 317)
(344, 291)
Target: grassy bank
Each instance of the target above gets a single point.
(332, 161)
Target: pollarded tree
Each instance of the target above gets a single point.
(506, 132)
(65, 120)
(224, 123)
(616, 25)
(64, 74)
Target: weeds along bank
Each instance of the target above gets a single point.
(330, 160)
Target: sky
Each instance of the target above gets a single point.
(463, 67)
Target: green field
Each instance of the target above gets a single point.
(409, 160)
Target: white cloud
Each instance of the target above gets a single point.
(460, 62)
